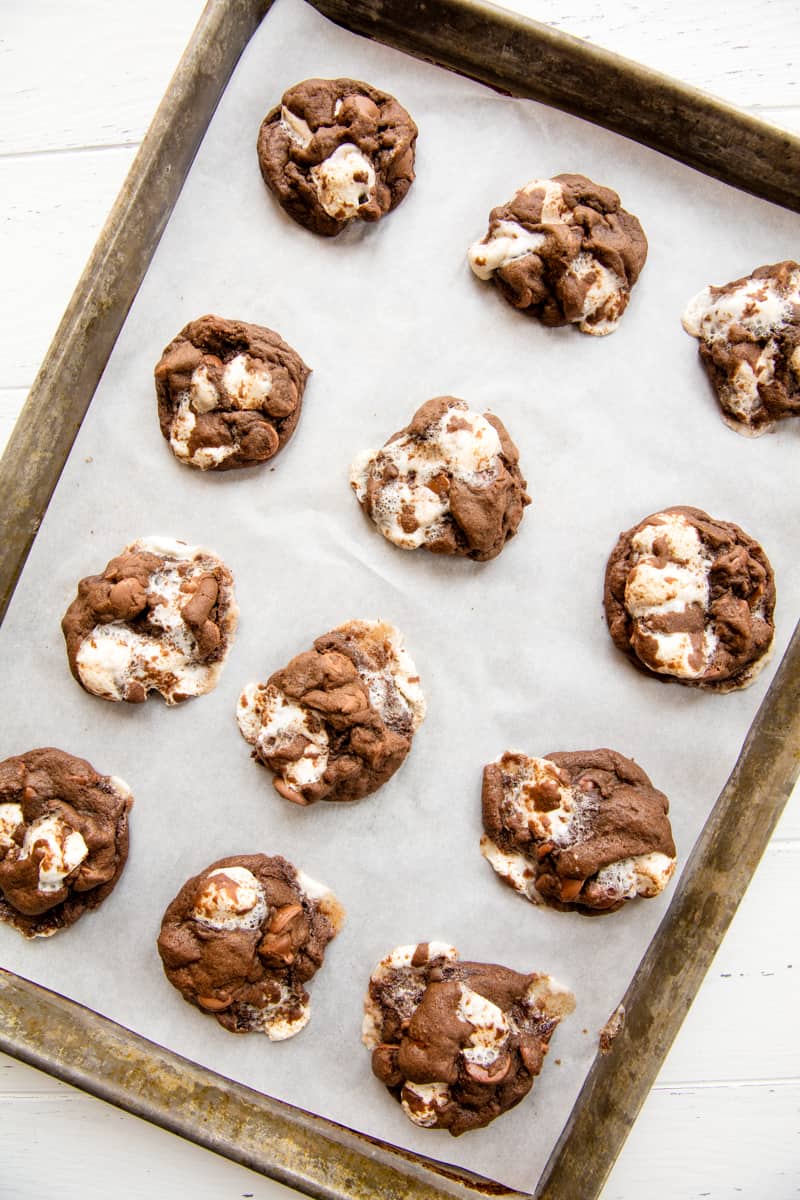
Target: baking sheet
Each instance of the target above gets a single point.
(512, 653)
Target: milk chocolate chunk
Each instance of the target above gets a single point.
(160, 618)
(565, 251)
(242, 939)
(691, 599)
(63, 839)
(338, 721)
(229, 394)
(749, 334)
(449, 482)
(337, 150)
(584, 830)
(458, 1043)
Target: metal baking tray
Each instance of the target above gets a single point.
(317, 1156)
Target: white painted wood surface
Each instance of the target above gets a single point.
(79, 83)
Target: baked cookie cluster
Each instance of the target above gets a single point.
(242, 939)
(335, 151)
(582, 830)
(458, 1043)
(63, 839)
(339, 719)
(160, 618)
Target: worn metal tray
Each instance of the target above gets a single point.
(73, 1043)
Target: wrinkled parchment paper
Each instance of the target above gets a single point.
(512, 654)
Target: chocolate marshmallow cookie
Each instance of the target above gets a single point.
(749, 333)
(564, 250)
(690, 598)
(63, 839)
(229, 394)
(449, 482)
(338, 721)
(337, 150)
(242, 938)
(160, 618)
(584, 830)
(458, 1043)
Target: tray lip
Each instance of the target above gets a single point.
(88, 310)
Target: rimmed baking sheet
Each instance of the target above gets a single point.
(513, 653)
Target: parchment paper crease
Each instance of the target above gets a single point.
(512, 654)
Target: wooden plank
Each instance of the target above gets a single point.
(111, 99)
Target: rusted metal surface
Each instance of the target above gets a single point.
(525, 58)
(309, 1153)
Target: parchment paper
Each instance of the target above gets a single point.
(512, 654)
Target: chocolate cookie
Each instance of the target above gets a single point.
(338, 721)
(458, 1043)
(241, 939)
(584, 830)
(449, 482)
(337, 150)
(564, 251)
(63, 839)
(161, 618)
(229, 394)
(749, 332)
(691, 598)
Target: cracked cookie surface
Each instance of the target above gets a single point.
(242, 939)
(450, 482)
(63, 839)
(338, 720)
(229, 394)
(583, 830)
(161, 617)
(458, 1043)
(565, 251)
(691, 598)
(337, 150)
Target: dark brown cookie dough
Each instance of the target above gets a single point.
(63, 839)
(449, 482)
(690, 598)
(337, 150)
(242, 938)
(565, 251)
(337, 722)
(749, 333)
(160, 618)
(229, 394)
(458, 1043)
(584, 830)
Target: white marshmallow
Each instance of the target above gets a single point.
(509, 241)
(295, 127)
(230, 898)
(10, 818)
(203, 395)
(641, 875)
(247, 381)
(339, 193)
(490, 1029)
(65, 850)
(422, 1102)
(270, 721)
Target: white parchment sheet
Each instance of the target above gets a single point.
(512, 654)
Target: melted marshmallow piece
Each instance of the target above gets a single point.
(114, 655)
(399, 675)
(490, 1028)
(607, 294)
(400, 960)
(64, 851)
(10, 817)
(247, 385)
(295, 127)
(642, 875)
(230, 898)
(659, 589)
(272, 722)
(763, 311)
(422, 1102)
(345, 180)
(461, 443)
(281, 1018)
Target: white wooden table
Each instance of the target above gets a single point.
(79, 83)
